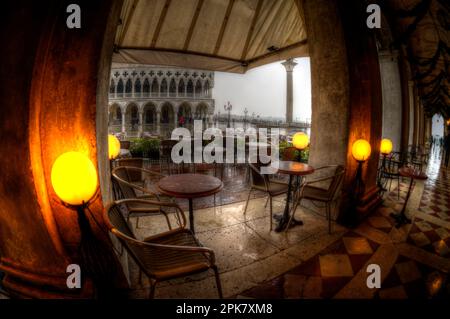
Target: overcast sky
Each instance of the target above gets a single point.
(263, 90)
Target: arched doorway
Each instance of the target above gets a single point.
(115, 118)
(185, 115)
(150, 119)
(132, 120)
(201, 113)
(167, 119)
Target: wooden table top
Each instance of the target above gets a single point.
(294, 168)
(190, 185)
(412, 173)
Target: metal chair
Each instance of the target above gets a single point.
(327, 195)
(125, 188)
(168, 255)
(265, 184)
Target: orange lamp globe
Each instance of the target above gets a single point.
(361, 150)
(386, 146)
(74, 178)
(300, 140)
(113, 147)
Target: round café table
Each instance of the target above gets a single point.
(299, 171)
(413, 174)
(190, 186)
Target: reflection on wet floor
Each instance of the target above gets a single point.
(307, 262)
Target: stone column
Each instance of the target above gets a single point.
(412, 115)
(123, 121)
(141, 124)
(158, 122)
(392, 98)
(39, 236)
(175, 118)
(416, 108)
(403, 67)
(289, 65)
(329, 83)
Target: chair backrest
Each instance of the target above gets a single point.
(122, 177)
(336, 181)
(257, 178)
(289, 154)
(149, 257)
(117, 221)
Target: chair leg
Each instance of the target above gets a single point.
(218, 283)
(248, 199)
(267, 201)
(152, 289)
(398, 187)
(137, 222)
(271, 213)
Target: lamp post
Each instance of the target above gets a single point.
(245, 118)
(228, 107)
(361, 151)
(385, 149)
(75, 182)
(300, 141)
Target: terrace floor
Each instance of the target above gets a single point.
(307, 262)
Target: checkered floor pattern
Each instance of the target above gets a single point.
(325, 274)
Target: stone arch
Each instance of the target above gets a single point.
(137, 87)
(155, 87)
(198, 88)
(112, 87)
(128, 88)
(202, 112)
(120, 88)
(149, 113)
(164, 88)
(172, 88)
(190, 88)
(146, 88)
(167, 113)
(185, 112)
(132, 116)
(115, 114)
(181, 88)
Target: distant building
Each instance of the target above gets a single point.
(153, 100)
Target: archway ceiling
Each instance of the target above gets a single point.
(218, 35)
(422, 27)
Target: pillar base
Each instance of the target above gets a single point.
(355, 214)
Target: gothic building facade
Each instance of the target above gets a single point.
(153, 100)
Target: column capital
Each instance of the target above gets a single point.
(289, 64)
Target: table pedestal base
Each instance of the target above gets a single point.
(400, 219)
(282, 222)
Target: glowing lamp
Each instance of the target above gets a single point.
(74, 178)
(386, 146)
(113, 147)
(361, 150)
(300, 140)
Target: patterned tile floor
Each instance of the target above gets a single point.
(306, 262)
(415, 259)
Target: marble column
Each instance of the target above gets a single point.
(123, 121)
(404, 76)
(141, 124)
(392, 97)
(289, 65)
(158, 122)
(416, 108)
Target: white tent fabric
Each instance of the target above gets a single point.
(219, 35)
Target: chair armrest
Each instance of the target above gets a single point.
(178, 211)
